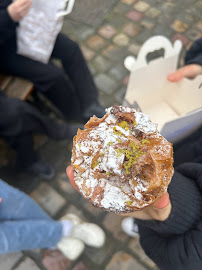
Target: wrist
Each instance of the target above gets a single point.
(161, 209)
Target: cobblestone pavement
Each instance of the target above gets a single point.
(118, 32)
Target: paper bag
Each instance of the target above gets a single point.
(38, 30)
(175, 107)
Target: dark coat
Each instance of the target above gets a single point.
(7, 26)
(176, 243)
(194, 55)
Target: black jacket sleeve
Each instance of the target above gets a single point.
(7, 26)
(192, 170)
(194, 55)
(176, 243)
(177, 252)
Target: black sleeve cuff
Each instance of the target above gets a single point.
(196, 60)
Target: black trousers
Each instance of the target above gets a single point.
(18, 120)
(71, 88)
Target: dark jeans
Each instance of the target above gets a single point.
(71, 89)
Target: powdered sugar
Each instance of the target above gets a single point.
(98, 152)
(113, 198)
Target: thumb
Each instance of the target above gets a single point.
(70, 175)
(162, 202)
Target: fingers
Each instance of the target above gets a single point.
(189, 71)
(70, 175)
(18, 9)
(176, 76)
(22, 5)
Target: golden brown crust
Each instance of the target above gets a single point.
(121, 162)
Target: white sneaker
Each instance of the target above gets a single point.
(90, 233)
(130, 227)
(71, 248)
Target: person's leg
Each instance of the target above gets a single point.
(23, 145)
(34, 121)
(16, 205)
(17, 122)
(23, 224)
(15, 131)
(47, 78)
(76, 68)
(28, 234)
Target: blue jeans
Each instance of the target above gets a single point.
(23, 224)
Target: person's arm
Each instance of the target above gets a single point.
(177, 252)
(192, 170)
(176, 243)
(193, 64)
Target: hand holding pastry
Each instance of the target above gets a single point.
(159, 210)
(18, 9)
(120, 162)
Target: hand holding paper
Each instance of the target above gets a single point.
(189, 71)
(175, 107)
(18, 9)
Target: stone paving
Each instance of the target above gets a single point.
(118, 31)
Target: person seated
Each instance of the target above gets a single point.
(76, 96)
(18, 121)
(24, 225)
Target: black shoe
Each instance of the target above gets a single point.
(42, 169)
(65, 131)
(93, 109)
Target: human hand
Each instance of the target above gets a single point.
(70, 175)
(189, 71)
(159, 210)
(18, 9)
